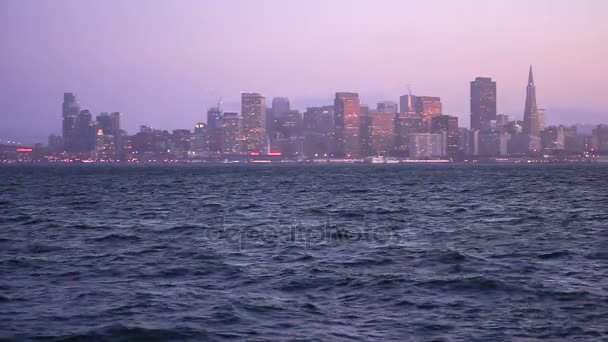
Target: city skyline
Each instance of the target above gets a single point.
(415, 130)
(169, 75)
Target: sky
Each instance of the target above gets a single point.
(164, 63)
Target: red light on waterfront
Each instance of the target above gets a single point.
(274, 153)
(255, 153)
(24, 150)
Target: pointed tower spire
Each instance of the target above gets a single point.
(531, 77)
(531, 118)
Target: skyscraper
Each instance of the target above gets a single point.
(408, 104)
(364, 145)
(531, 114)
(347, 124)
(232, 137)
(214, 128)
(70, 111)
(483, 103)
(109, 123)
(428, 107)
(253, 111)
(382, 132)
(71, 107)
(447, 126)
(425, 145)
(280, 106)
(86, 132)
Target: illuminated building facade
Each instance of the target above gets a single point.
(347, 124)
(253, 111)
(382, 133)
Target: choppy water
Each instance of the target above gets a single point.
(444, 253)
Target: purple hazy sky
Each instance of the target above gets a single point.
(163, 63)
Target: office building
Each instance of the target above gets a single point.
(483, 103)
(253, 112)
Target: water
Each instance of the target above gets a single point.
(336, 252)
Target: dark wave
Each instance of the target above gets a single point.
(125, 333)
(117, 238)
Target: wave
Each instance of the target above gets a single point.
(121, 333)
(117, 238)
(553, 255)
(41, 249)
(473, 283)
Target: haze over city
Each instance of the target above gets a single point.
(164, 63)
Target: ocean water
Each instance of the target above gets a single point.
(304, 252)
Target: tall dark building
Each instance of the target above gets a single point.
(483, 103)
(280, 106)
(288, 125)
(253, 111)
(86, 132)
(531, 113)
(408, 104)
(347, 124)
(70, 111)
(109, 123)
(70, 107)
(364, 145)
(214, 129)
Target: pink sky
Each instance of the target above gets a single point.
(163, 63)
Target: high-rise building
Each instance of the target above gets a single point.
(275, 115)
(448, 126)
(70, 106)
(180, 142)
(464, 142)
(365, 128)
(70, 111)
(317, 127)
(429, 107)
(109, 123)
(387, 107)
(214, 129)
(408, 104)
(280, 106)
(553, 138)
(55, 143)
(347, 124)
(541, 118)
(572, 141)
(289, 125)
(232, 136)
(426, 145)
(199, 141)
(318, 119)
(495, 143)
(86, 132)
(253, 111)
(483, 103)
(531, 114)
(600, 138)
(382, 132)
(405, 124)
